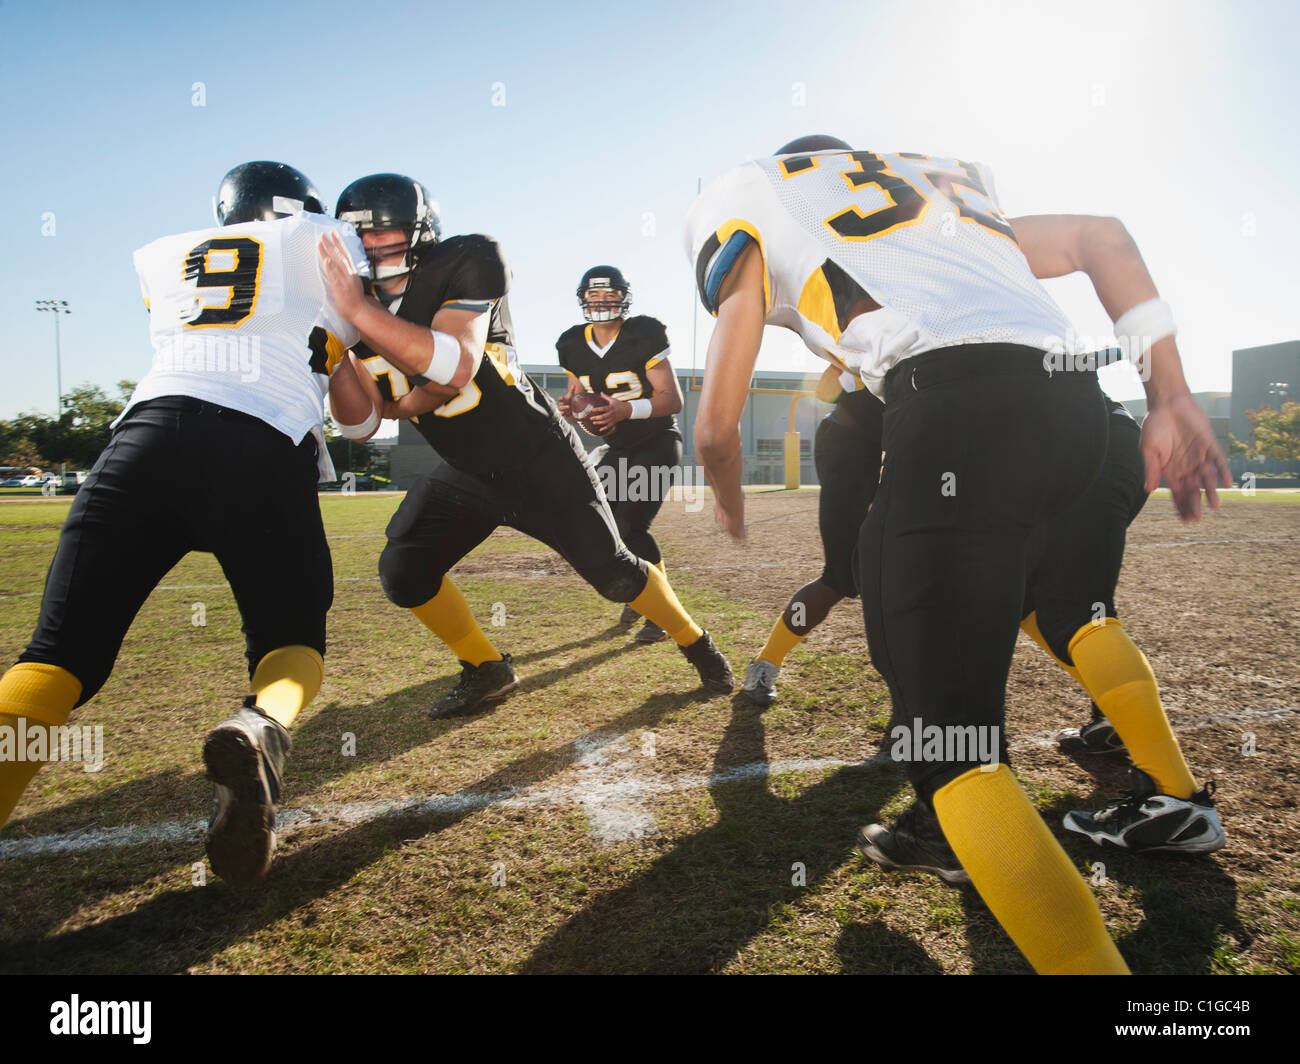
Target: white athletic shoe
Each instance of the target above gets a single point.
(1151, 822)
(760, 682)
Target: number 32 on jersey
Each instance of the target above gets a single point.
(911, 183)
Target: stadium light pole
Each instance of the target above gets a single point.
(57, 307)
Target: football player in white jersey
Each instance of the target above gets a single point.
(902, 268)
(245, 335)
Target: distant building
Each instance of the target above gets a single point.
(1263, 376)
(763, 426)
(1217, 407)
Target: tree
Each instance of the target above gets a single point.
(1277, 432)
(76, 436)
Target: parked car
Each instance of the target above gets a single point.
(12, 482)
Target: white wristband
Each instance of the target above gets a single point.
(446, 358)
(640, 409)
(1141, 326)
(362, 431)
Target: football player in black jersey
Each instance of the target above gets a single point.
(625, 360)
(438, 348)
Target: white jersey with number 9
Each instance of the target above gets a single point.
(240, 316)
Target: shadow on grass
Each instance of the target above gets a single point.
(696, 907)
(177, 929)
(385, 729)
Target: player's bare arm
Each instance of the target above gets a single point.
(1177, 441)
(665, 401)
(733, 350)
(407, 346)
(420, 401)
(354, 397)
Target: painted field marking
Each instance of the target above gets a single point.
(615, 809)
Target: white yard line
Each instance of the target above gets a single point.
(613, 790)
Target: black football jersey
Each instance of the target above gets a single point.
(500, 416)
(620, 372)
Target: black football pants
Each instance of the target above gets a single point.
(555, 498)
(846, 452)
(636, 498)
(982, 445)
(1074, 561)
(180, 475)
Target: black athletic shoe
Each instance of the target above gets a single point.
(628, 616)
(1096, 737)
(715, 673)
(478, 684)
(913, 843)
(1147, 821)
(651, 633)
(245, 758)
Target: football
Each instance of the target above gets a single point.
(583, 403)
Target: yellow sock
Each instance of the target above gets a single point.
(1024, 876)
(286, 680)
(660, 566)
(1030, 627)
(1118, 677)
(780, 642)
(658, 602)
(40, 695)
(447, 615)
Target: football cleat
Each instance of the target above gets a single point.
(1095, 737)
(628, 616)
(1149, 822)
(245, 758)
(478, 684)
(760, 682)
(651, 633)
(913, 843)
(715, 673)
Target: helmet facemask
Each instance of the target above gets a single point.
(392, 271)
(604, 310)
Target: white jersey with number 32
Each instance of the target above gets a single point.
(924, 237)
(240, 316)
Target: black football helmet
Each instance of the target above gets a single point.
(262, 192)
(391, 201)
(604, 279)
(813, 142)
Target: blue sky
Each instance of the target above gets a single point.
(1177, 117)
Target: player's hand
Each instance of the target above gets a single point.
(1177, 441)
(563, 405)
(340, 276)
(604, 420)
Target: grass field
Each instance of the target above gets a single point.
(609, 818)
